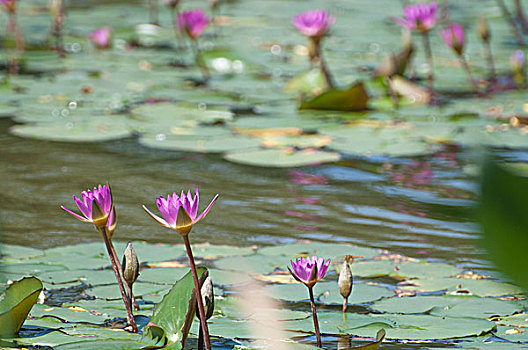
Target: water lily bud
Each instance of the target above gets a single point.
(484, 30)
(419, 17)
(130, 265)
(345, 280)
(207, 298)
(454, 37)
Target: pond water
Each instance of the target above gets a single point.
(419, 205)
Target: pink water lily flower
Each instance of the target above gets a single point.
(313, 23)
(309, 270)
(95, 205)
(454, 37)
(420, 17)
(102, 37)
(192, 23)
(180, 212)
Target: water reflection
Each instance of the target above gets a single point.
(419, 207)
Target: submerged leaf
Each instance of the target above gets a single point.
(354, 98)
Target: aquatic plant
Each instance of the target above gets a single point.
(485, 35)
(102, 37)
(130, 270)
(518, 67)
(97, 207)
(454, 37)
(57, 16)
(315, 25)
(309, 271)
(345, 281)
(193, 23)
(180, 213)
(422, 18)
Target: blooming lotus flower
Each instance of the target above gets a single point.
(180, 212)
(454, 37)
(420, 17)
(102, 37)
(95, 206)
(192, 22)
(309, 270)
(313, 23)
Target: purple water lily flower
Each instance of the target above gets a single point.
(313, 23)
(180, 220)
(102, 37)
(192, 22)
(309, 270)
(420, 17)
(95, 205)
(454, 37)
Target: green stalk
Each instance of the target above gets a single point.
(198, 291)
(468, 71)
(200, 61)
(314, 316)
(429, 55)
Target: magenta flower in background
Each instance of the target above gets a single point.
(454, 37)
(313, 23)
(420, 17)
(309, 270)
(180, 220)
(192, 22)
(102, 37)
(95, 205)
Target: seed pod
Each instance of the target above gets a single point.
(130, 265)
(484, 30)
(345, 280)
(207, 298)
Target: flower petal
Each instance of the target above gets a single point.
(204, 213)
(76, 215)
(157, 218)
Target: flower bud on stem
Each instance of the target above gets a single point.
(114, 261)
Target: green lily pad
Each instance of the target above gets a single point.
(482, 287)
(450, 306)
(403, 270)
(307, 82)
(218, 144)
(282, 157)
(98, 129)
(328, 250)
(16, 303)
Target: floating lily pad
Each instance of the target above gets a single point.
(354, 98)
(218, 144)
(450, 306)
(403, 270)
(483, 287)
(98, 129)
(282, 157)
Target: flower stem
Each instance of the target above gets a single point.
(200, 61)
(509, 18)
(520, 16)
(345, 304)
(200, 338)
(131, 298)
(489, 59)
(111, 253)
(314, 316)
(429, 55)
(197, 288)
(466, 68)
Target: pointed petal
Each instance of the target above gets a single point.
(75, 214)
(324, 268)
(204, 213)
(87, 212)
(184, 222)
(314, 275)
(157, 218)
(294, 275)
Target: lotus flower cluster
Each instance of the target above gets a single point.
(96, 206)
(180, 212)
(309, 270)
(313, 23)
(419, 17)
(454, 37)
(192, 23)
(102, 37)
